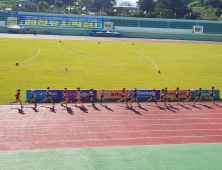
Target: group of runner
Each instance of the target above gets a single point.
(127, 99)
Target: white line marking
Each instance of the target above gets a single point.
(196, 52)
(106, 139)
(96, 120)
(84, 55)
(103, 126)
(142, 55)
(106, 132)
(95, 55)
(32, 57)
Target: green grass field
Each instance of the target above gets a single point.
(112, 65)
(162, 157)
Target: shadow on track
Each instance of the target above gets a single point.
(130, 108)
(218, 105)
(34, 108)
(108, 108)
(171, 106)
(184, 107)
(20, 111)
(207, 106)
(52, 109)
(96, 108)
(70, 111)
(196, 107)
(168, 108)
(142, 107)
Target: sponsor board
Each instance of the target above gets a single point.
(112, 94)
(84, 94)
(40, 94)
(182, 94)
(56, 21)
(145, 94)
(205, 93)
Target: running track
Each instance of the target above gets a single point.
(110, 125)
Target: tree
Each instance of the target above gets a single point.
(125, 3)
(164, 13)
(104, 4)
(59, 4)
(2, 7)
(75, 10)
(86, 3)
(213, 3)
(191, 15)
(146, 5)
(118, 11)
(201, 2)
(43, 5)
(193, 4)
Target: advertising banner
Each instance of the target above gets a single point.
(9, 12)
(84, 94)
(40, 94)
(111, 94)
(72, 22)
(12, 21)
(108, 25)
(205, 93)
(146, 94)
(172, 94)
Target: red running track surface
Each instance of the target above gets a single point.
(112, 124)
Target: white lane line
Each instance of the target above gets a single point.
(84, 55)
(163, 53)
(181, 49)
(142, 55)
(107, 132)
(96, 120)
(139, 110)
(107, 139)
(119, 52)
(32, 57)
(113, 115)
(105, 126)
(94, 55)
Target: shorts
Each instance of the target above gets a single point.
(188, 96)
(91, 97)
(153, 97)
(123, 96)
(161, 97)
(129, 99)
(177, 96)
(135, 97)
(198, 96)
(211, 95)
(101, 96)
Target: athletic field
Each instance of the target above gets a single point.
(109, 64)
(112, 136)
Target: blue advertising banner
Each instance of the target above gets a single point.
(72, 22)
(146, 94)
(40, 94)
(9, 12)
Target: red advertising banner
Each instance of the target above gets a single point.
(172, 94)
